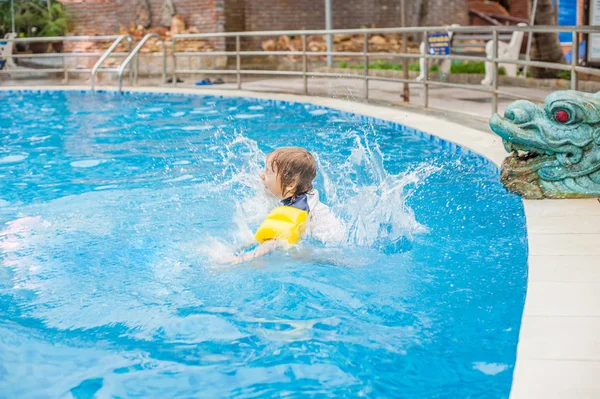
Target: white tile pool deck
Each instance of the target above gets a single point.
(558, 355)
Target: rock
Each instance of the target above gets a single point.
(283, 43)
(142, 13)
(269, 45)
(317, 46)
(378, 40)
(167, 12)
(162, 31)
(341, 38)
(177, 25)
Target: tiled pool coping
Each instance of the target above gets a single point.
(558, 355)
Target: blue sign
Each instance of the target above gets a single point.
(439, 43)
(567, 16)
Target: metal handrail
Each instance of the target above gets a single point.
(135, 52)
(65, 69)
(496, 33)
(456, 29)
(64, 38)
(107, 53)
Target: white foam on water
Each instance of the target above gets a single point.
(256, 107)
(318, 112)
(88, 163)
(39, 138)
(194, 128)
(489, 368)
(107, 187)
(12, 159)
(249, 116)
(180, 178)
(178, 114)
(181, 162)
(370, 201)
(204, 110)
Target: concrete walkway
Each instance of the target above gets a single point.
(447, 102)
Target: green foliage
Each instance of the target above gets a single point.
(457, 67)
(566, 75)
(35, 18)
(57, 21)
(468, 67)
(386, 65)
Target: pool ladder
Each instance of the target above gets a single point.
(133, 73)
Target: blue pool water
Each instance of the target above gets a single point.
(116, 210)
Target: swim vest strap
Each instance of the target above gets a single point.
(284, 223)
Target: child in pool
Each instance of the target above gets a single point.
(288, 175)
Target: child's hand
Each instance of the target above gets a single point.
(260, 251)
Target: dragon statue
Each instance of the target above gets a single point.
(555, 149)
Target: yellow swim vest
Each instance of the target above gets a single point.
(284, 223)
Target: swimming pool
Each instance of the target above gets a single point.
(116, 209)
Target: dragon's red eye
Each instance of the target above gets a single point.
(561, 116)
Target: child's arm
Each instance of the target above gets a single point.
(261, 250)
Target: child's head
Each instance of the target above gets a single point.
(289, 172)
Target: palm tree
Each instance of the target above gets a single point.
(546, 46)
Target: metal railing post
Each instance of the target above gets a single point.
(495, 72)
(173, 51)
(132, 74)
(64, 62)
(574, 60)
(136, 70)
(366, 65)
(304, 65)
(238, 62)
(426, 72)
(405, 74)
(135, 54)
(164, 69)
(105, 56)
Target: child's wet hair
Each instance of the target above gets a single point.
(294, 166)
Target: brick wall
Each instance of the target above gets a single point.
(520, 8)
(107, 16)
(264, 15)
(439, 12)
(310, 14)
(235, 19)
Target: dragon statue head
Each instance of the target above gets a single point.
(555, 149)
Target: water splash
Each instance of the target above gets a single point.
(370, 201)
